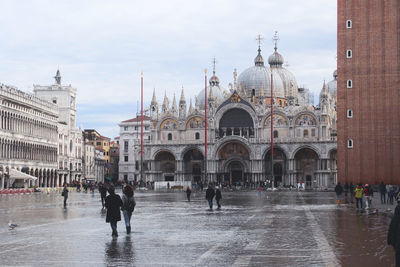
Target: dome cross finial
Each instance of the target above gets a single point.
(214, 62)
(275, 39)
(259, 39)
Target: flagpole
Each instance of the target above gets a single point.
(141, 130)
(205, 130)
(272, 129)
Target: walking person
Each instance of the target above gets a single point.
(382, 191)
(65, 194)
(103, 193)
(218, 197)
(113, 204)
(128, 206)
(366, 196)
(210, 193)
(393, 237)
(351, 189)
(338, 190)
(188, 192)
(346, 192)
(359, 197)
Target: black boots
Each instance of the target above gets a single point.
(114, 233)
(128, 229)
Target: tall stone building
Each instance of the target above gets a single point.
(70, 138)
(368, 91)
(28, 140)
(239, 132)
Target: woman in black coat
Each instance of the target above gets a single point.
(113, 205)
(394, 231)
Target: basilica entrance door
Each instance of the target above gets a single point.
(236, 172)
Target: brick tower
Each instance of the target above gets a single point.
(369, 91)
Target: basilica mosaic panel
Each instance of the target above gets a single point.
(195, 122)
(279, 120)
(169, 124)
(305, 120)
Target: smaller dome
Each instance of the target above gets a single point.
(214, 81)
(275, 59)
(335, 74)
(259, 61)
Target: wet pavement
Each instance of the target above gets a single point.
(276, 229)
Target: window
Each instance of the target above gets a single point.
(125, 128)
(169, 136)
(350, 143)
(349, 113)
(125, 177)
(197, 136)
(98, 143)
(126, 158)
(312, 132)
(349, 53)
(146, 127)
(275, 134)
(55, 101)
(136, 127)
(305, 133)
(349, 24)
(137, 165)
(126, 145)
(349, 84)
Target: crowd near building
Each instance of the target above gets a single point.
(238, 132)
(40, 144)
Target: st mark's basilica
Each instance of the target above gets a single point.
(239, 132)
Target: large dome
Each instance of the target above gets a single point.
(258, 78)
(217, 93)
(332, 85)
(289, 81)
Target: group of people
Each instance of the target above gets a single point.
(210, 194)
(362, 193)
(115, 204)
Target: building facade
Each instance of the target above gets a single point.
(239, 132)
(114, 159)
(70, 139)
(99, 162)
(368, 91)
(102, 143)
(28, 138)
(130, 142)
(89, 162)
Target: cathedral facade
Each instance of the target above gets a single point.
(239, 132)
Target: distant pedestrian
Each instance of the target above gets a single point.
(210, 193)
(351, 191)
(168, 186)
(218, 197)
(359, 196)
(65, 194)
(113, 204)
(259, 190)
(103, 193)
(128, 206)
(382, 191)
(338, 190)
(188, 193)
(346, 192)
(393, 237)
(366, 196)
(391, 194)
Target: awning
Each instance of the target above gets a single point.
(14, 174)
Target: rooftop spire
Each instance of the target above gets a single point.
(154, 100)
(191, 107)
(259, 61)
(58, 77)
(182, 96)
(214, 62)
(174, 106)
(275, 39)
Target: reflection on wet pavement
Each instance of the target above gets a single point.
(278, 229)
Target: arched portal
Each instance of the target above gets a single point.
(306, 161)
(238, 122)
(193, 162)
(233, 158)
(165, 164)
(280, 166)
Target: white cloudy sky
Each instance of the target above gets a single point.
(101, 47)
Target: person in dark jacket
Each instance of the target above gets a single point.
(113, 204)
(65, 194)
(338, 190)
(218, 197)
(128, 206)
(382, 191)
(188, 192)
(103, 193)
(346, 192)
(393, 237)
(210, 193)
